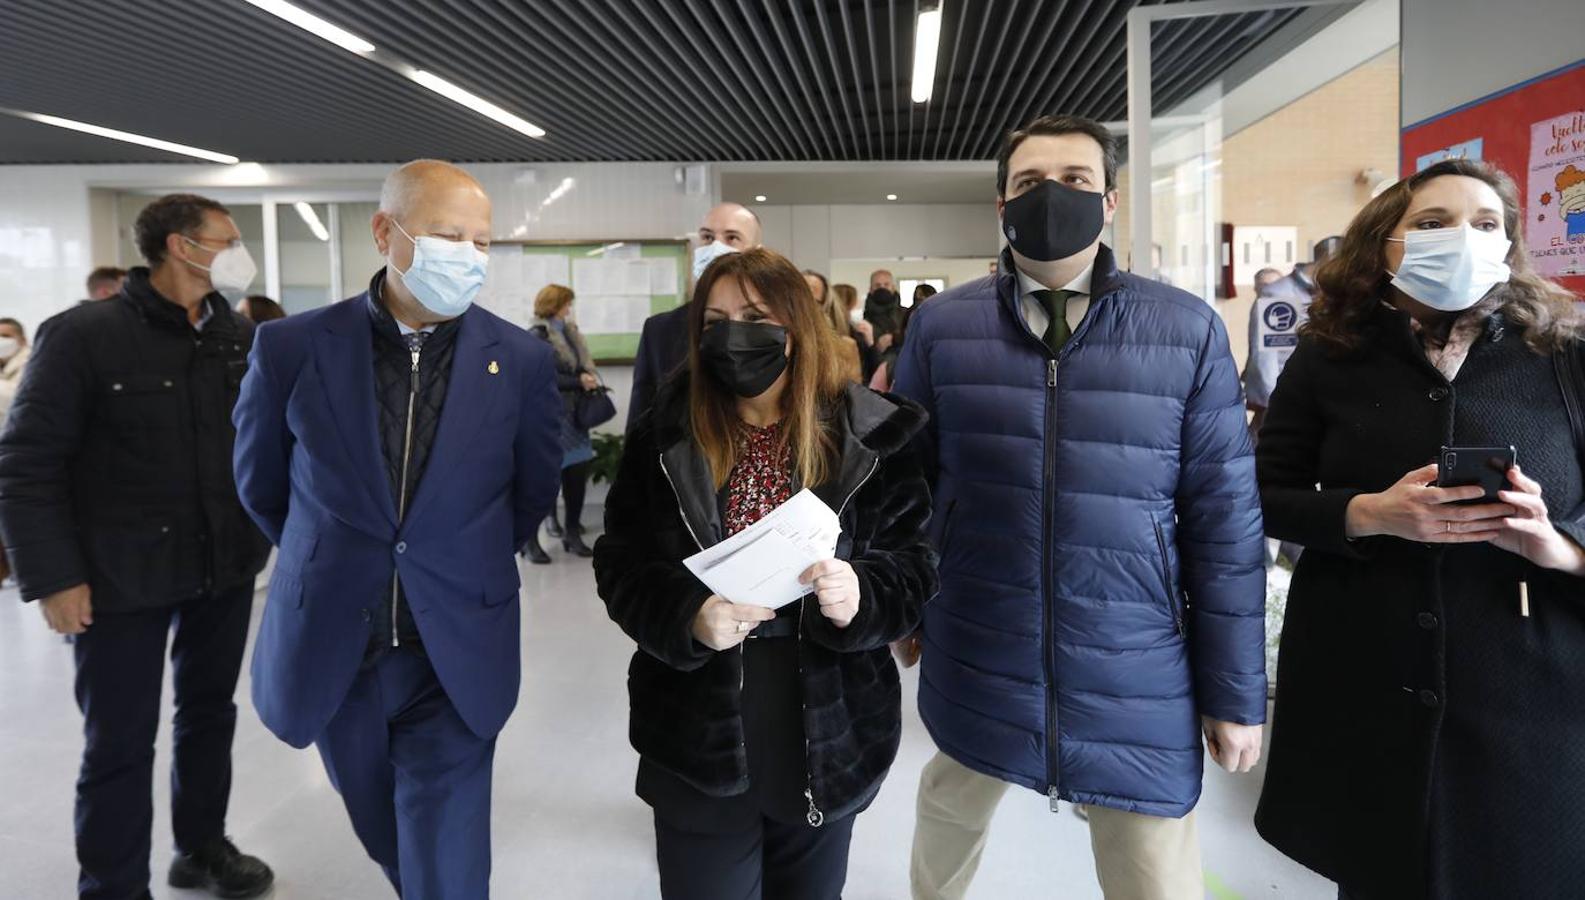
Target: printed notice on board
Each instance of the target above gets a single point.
(1556, 196)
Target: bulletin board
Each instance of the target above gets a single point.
(1534, 131)
(616, 285)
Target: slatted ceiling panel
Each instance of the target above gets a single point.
(607, 79)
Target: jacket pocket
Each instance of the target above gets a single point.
(1171, 591)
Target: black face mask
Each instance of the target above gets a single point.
(1053, 221)
(746, 358)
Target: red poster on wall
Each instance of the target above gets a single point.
(1534, 131)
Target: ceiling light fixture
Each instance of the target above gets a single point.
(476, 103)
(313, 24)
(311, 219)
(129, 137)
(558, 192)
(891, 196)
(759, 198)
(927, 42)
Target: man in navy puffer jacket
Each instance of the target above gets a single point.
(1102, 580)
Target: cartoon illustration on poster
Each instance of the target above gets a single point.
(1556, 208)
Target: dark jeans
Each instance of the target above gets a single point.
(772, 861)
(574, 484)
(120, 667)
(415, 780)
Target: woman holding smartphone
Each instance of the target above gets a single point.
(762, 733)
(1428, 738)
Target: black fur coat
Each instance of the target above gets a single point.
(685, 698)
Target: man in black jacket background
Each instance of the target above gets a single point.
(121, 516)
(663, 344)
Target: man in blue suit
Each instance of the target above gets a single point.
(399, 447)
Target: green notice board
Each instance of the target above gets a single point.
(616, 284)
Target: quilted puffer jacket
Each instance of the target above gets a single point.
(1102, 578)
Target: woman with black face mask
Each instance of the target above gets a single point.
(763, 733)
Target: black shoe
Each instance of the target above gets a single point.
(536, 554)
(223, 870)
(553, 526)
(574, 544)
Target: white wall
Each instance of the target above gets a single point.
(52, 231)
(812, 236)
(1455, 51)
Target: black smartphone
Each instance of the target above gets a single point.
(1485, 466)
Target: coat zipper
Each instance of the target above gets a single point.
(1049, 654)
(1166, 580)
(401, 503)
(815, 817)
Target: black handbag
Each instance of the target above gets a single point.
(593, 407)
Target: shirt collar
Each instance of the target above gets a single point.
(1079, 285)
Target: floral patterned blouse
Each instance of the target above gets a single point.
(762, 479)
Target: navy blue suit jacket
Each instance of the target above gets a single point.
(311, 473)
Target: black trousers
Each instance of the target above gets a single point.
(773, 861)
(574, 486)
(120, 668)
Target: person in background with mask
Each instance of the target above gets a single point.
(1102, 590)
(831, 311)
(923, 292)
(14, 353)
(575, 374)
(1427, 738)
(762, 734)
(1275, 318)
(105, 282)
(862, 332)
(122, 522)
(882, 280)
(400, 447)
(258, 309)
(663, 343)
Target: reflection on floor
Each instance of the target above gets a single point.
(566, 823)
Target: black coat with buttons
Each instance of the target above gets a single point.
(115, 464)
(1428, 740)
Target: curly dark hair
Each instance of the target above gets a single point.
(1355, 279)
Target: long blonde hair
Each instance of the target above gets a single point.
(814, 375)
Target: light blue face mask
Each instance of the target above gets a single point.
(445, 275)
(1451, 269)
(709, 253)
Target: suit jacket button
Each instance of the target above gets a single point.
(1429, 699)
(368, 616)
(401, 546)
(1438, 395)
(1427, 621)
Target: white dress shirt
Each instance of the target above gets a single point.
(1035, 311)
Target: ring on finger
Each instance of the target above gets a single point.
(1450, 526)
(742, 627)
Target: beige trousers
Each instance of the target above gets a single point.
(1137, 857)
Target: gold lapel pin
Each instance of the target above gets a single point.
(495, 367)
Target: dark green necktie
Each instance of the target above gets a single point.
(1056, 306)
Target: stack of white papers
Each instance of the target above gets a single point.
(760, 565)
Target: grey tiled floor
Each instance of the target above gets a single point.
(566, 823)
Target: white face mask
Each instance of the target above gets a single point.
(8, 348)
(709, 253)
(232, 269)
(856, 315)
(1451, 269)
